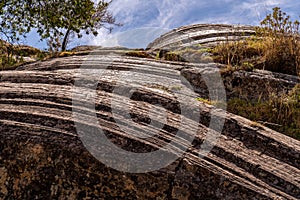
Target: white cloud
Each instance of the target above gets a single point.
(169, 14)
(133, 38)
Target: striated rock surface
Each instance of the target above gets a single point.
(254, 85)
(201, 34)
(44, 156)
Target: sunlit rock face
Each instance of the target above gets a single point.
(43, 156)
(201, 34)
(186, 40)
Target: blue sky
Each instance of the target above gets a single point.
(144, 20)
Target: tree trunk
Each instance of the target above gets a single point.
(65, 41)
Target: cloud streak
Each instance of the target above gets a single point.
(158, 16)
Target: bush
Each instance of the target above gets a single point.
(275, 47)
(237, 53)
(282, 47)
(7, 58)
(170, 56)
(12, 56)
(139, 54)
(279, 113)
(193, 54)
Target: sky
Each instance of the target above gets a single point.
(145, 20)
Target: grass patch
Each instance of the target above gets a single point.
(176, 88)
(278, 113)
(139, 54)
(215, 103)
(193, 54)
(207, 101)
(12, 56)
(274, 47)
(236, 54)
(173, 56)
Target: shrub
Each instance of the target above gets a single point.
(170, 56)
(282, 47)
(139, 54)
(275, 47)
(279, 113)
(12, 56)
(236, 53)
(193, 54)
(7, 57)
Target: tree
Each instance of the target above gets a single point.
(55, 18)
(10, 27)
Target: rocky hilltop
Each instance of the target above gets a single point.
(43, 153)
(207, 34)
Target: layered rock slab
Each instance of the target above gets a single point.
(201, 34)
(43, 157)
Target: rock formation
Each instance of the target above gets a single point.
(203, 34)
(43, 156)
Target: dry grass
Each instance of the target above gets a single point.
(193, 54)
(12, 56)
(275, 47)
(139, 54)
(281, 55)
(237, 53)
(261, 54)
(279, 113)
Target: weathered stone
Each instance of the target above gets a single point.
(203, 34)
(254, 85)
(43, 157)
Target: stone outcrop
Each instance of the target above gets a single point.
(254, 85)
(258, 84)
(201, 34)
(43, 155)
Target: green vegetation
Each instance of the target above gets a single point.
(279, 113)
(203, 100)
(236, 54)
(54, 20)
(275, 47)
(6, 55)
(176, 88)
(139, 54)
(171, 56)
(187, 54)
(12, 56)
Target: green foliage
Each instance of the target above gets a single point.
(10, 28)
(54, 18)
(207, 101)
(139, 54)
(13, 55)
(235, 54)
(282, 51)
(7, 57)
(279, 113)
(170, 56)
(279, 24)
(275, 47)
(193, 54)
